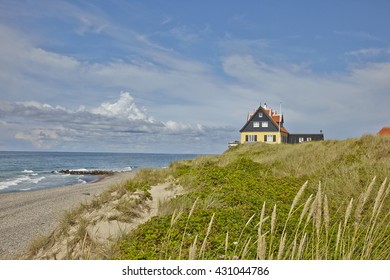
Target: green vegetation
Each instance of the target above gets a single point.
(317, 200)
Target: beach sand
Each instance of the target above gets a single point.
(27, 215)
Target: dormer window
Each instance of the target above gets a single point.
(264, 124)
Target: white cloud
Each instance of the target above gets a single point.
(332, 102)
(41, 138)
(47, 59)
(172, 127)
(89, 23)
(185, 34)
(166, 20)
(373, 77)
(29, 70)
(117, 124)
(369, 52)
(156, 76)
(360, 35)
(123, 108)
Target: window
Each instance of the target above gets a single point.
(308, 139)
(264, 124)
(251, 138)
(269, 138)
(301, 139)
(260, 115)
(256, 124)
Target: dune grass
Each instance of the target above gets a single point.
(319, 200)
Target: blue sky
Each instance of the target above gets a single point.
(181, 76)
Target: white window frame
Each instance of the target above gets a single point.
(308, 139)
(301, 139)
(270, 138)
(260, 115)
(252, 138)
(256, 124)
(264, 124)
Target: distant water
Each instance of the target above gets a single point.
(27, 171)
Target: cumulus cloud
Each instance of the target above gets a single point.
(116, 124)
(125, 108)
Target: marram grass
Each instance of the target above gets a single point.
(323, 200)
(309, 231)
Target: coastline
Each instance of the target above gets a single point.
(27, 215)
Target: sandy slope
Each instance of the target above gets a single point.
(104, 225)
(26, 215)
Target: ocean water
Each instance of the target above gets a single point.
(28, 171)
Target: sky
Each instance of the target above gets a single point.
(171, 76)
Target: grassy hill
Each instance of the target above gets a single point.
(316, 200)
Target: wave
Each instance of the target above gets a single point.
(27, 171)
(125, 169)
(20, 180)
(81, 181)
(37, 180)
(14, 182)
(85, 171)
(80, 169)
(128, 168)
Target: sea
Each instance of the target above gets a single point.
(29, 171)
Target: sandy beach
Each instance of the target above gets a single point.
(26, 215)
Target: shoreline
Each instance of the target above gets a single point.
(27, 215)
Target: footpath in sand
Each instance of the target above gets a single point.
(26, 215)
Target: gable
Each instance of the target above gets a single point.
(260, 121)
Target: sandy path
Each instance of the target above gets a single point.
(26, 215)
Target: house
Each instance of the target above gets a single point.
(384, 131)
(266, 125)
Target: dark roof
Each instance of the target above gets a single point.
(274, 118)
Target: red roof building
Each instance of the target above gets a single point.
(384, 131)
